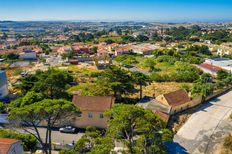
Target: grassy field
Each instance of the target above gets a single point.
(83, 73)
(165, 68)
(113, 38)
(159, 88)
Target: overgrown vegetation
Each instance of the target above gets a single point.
(139, 130)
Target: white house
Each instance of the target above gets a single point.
(3, 85)
(28, 54)
(223, 51)
(222, 63)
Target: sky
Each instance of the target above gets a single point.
(117, 10)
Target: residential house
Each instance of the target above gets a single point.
(157, 108)
(224, 51)
(222, 63)
(113, 46)
(168, 104)
(143, 49)
(28, 54)
(64, 49)
(10, 146)
(12, 42)
(2, 46)
(176, 101)
(209, 68)
(3, 85)
(81, 48)
(102, 49)
(122, 50)
(92, 108)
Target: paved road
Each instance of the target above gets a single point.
(62, 137)
(58, 137)
(205, 128)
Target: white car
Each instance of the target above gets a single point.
(67, 129)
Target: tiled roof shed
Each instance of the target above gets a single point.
(175, 98)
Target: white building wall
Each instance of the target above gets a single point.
(16, 148)
(3, 91)
(31, 55)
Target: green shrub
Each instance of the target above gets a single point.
(158, 78)
(222, 74)
(67, 151)
(228, 143)
(126, 59)
(185, 72)
(166, 58)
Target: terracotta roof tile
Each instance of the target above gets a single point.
(177, 97)
(164, 116)
(210, 67)
(93, 103)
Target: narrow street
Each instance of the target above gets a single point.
(58, 137)
(205, 129)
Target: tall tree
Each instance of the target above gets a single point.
(51, 112)
(52, 83)
(139, 129)
(119, 80)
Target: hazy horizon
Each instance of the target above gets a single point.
(120, 10)
(111, 20)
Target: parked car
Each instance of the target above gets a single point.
(127, 66)
(67, 129)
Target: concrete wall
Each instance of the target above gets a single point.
(192, 103)
(96, 121)
(162, 100)
(218, 92)
(198, 100)
(28, 56)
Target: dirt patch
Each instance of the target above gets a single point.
(159, 88)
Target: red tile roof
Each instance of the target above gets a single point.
(177, 98)
(93, 103)
(163, 116)
(210, 67)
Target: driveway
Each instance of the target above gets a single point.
(205, 129)
(58, 137)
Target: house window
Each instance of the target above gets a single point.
(101, 116)
(90, 115)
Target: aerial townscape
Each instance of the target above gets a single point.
(112, 82)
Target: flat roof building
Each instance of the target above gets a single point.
(3, 85)
(222, 63)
